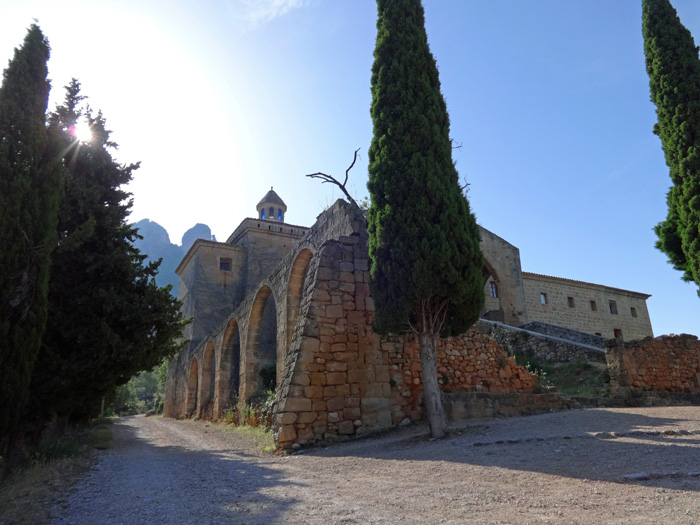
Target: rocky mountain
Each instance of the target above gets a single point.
(156, 244)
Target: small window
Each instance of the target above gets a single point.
(618, 333)
(279, 214)
(262, 214)
(598, 333)
(633, 311)
(493, 289)
(571, 302)
(543, 298)
(594, 308)
(613, 307)
(225, 264)
(272, 213)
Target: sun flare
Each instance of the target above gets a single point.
(81, 132)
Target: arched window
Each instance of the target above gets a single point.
(279, 214)
(272, 212)
(262, 214)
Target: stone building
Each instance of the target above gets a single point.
(293, 303)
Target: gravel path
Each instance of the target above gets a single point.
(589, 466)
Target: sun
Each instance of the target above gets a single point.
(81, 132)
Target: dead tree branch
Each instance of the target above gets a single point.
(329, 178)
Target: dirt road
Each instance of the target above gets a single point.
(566, 467)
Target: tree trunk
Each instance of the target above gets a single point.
(432, 400)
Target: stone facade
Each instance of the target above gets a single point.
(295, 302)
(586, 307)
(666, 364)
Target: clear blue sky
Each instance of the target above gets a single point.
(222, 99)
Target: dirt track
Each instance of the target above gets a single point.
(552, 468)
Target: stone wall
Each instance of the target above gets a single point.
(566, 333)
(502, 267)
(586, 307)
(670, 363)
(544, 347)
(471, 362)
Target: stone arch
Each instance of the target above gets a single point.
(192, 390)
(261, 342)
(207, 380)
(295, 291)
(228, 372)
(493, 309)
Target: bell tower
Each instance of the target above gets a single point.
(271, 207)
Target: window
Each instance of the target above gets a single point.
(543, 298)
(262, 214)
(493, 289)
(613, 307)
(279, 214)
(633, 311)
(225, 264)
(598, 333)
(618, 333)
(272, 213)
(571, 302)
(594, 307)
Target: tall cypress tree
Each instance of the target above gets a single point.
(29, 192)
(674, 81)
(426, 273)
(108, 319)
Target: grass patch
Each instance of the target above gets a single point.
(49, 472)
(580, 379)
(259, 436)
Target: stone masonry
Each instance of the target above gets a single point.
(669, 363)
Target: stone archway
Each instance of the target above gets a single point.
(228, 373)
(192, 390)
(295, 292)
(261, 344)
(207, 382)
(493, 309)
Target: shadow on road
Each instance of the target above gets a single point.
(578, 444)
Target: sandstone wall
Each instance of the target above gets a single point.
(579, 313)
(471, 362)
(670, 363)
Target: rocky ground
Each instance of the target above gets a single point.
(594, 466)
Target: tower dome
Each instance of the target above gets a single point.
(271, 207)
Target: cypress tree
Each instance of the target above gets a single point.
(29, 192)
(108, 320)
(674, 81)
(426, 262)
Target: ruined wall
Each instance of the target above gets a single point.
(586, 307)
(515, 340)
(670, 363)
(470, 362)
(502, 266)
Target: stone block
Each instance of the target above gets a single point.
(297, 405)
(336, 378)
(335, 366)
(352, 413)
(286, 435)
(318, 378)
(288, 418)
(334, 311)
(375, 404)
(361, 376)
(307, 417)
(335, 404)
(318, 405)
(301, 378)
(346, 428)
(314, 392)
(345, 357)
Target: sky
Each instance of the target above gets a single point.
(222, 99)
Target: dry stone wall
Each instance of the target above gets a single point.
(670, 363)
(471, 362)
